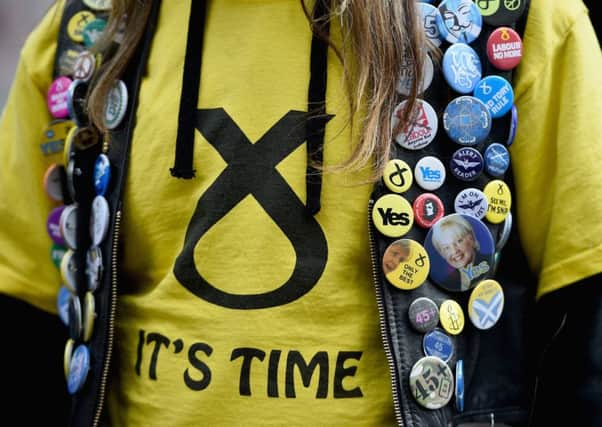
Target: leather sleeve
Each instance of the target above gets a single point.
(569, 368)
(34, 390)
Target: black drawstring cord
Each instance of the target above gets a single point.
(316, 99)
(316, 106)
(183, 163)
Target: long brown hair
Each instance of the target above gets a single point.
(378, 37)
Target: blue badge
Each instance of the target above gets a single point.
(102, 174)
(467, 120)
(497, 159)
(430, 16)
(513, 126)
(438, 343)
(496, 93)
(78, 369)
(460, 249)
(462, 68)
(459, 21)
(62, 304)
(460, 385)
(466, 164)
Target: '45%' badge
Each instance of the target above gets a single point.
(431, 382)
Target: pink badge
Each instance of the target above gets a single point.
(57, 97)
(504, 48)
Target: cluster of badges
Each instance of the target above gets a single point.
(69, 132)
(459, 253)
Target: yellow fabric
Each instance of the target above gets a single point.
(558, 150)
(255, 65)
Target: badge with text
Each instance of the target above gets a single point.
(471, 201)
(54, 136)
(500, 201)
(406, 264)
(429, 15)
(461, 68)
(504, 48)
(496, 93)
(423, 314)
(486, 304)
(406, 80)
(460, 249)
(431, 382)
(429, 173)
(422, 129)
(467, 164)
(392, 215)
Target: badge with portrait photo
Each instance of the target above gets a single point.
(461, 251)
(406, 264)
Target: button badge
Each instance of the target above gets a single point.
(397, 175)
(431, 382)
(486, 304)
(406, 264)
(392, 215)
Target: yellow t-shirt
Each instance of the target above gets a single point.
(183, 360)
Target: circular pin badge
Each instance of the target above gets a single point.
(53, 141)
(496, 93)
(505, 233)
(461, 68)
(57, 252)
(486, 304)
(431, 382)
(466, 164)
(69, 270)
(397, 176)
(76, 102)
(89, 316)
(70, 172)
(99, 220)
(451, 317)
(428, 209)
(429, 16)
(423, 127)
(84, 66)
(116, 105)
(513, 126)
(93, 31)
(79, 366)
(471, 201)
(53, 225)
(500, 201)
(392, 215)
(460, 385)
(438, 343)
(62, 304)
(77, 23)
(85, 137)
(423, 314)
(94, 267)
(467, 120)
(53, 182)
(57, 97)
(67, 59)
(75, 317)
(406, 80)
(459, 21)
(67, 353)
(68, 225)
(497, 159)
(501, 12)
(460, 248)
(504, 48)
(406, 264)
(101, 5)
(68, 149)
(429, 173)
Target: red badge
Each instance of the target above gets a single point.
(504, 48)
(428, 209)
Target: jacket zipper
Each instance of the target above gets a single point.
(111, 331)
(381, 318)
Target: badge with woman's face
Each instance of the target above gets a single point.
(461, 251)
